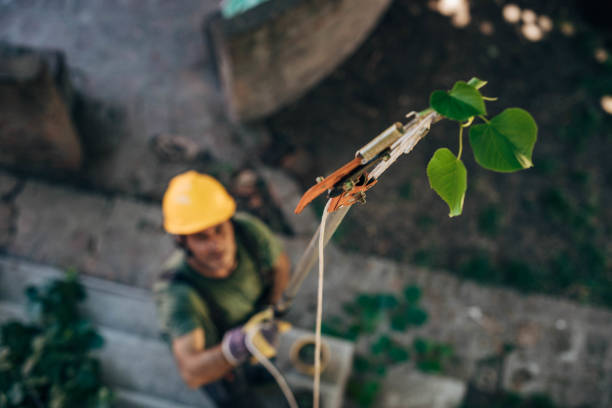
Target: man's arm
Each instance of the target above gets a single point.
(280, 271)
(199, 366)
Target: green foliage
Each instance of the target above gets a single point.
(504, 144)
(368, 318)
(424, 257)
(503, 399)
(363, 392)
(460, 103)
(488, 220)
(405, 190)
(48, 362)
(448, 177)
(430, 355)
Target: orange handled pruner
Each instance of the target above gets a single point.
(347, 185)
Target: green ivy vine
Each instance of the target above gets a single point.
(375, 320)
(48, 363)
(503, 143)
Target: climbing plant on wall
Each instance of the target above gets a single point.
(48, 363)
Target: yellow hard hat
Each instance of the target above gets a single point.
(194, 202)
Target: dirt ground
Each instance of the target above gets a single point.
(547, 229)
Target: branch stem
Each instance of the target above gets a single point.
(460, 142)
(484, 119)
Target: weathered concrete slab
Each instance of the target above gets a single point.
(145, 365)
(106, 303)
(130, 399)
(407, 388)
(114, 238)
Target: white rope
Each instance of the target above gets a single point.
(317, 372)
(264, 361)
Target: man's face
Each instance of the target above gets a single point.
(215, 249)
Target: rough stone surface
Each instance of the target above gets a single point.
(407, 388)
(8, 183)
(36, 131)
(286, 194)
(118, 239)
(148, 64)
(562, 348)
(261, 70)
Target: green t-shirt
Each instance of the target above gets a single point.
(187, 300)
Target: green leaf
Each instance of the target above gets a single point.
(397, 354)
(364, 392)
(416, 316)
(381, 345)
(386, 300)
(505, 144)
(421, 346)
(398, 322)
(476, 82)
(412, 293)
(448, 177)
(460, 103)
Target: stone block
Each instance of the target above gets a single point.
(36, 131)
(406, 388)
(116, 239)
(133, 242)
(273, 53)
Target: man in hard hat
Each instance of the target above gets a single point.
(230, 267)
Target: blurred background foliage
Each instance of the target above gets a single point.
(48, 363)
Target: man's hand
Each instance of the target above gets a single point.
(260, 332)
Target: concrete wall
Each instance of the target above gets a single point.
(274, 53)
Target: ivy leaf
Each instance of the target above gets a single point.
(412, 293)
(505, 144)
(386, 301)
(397, 354)
(448, 177)
(460, 103)
(398, 322)
(416, 316)
(381, 345)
